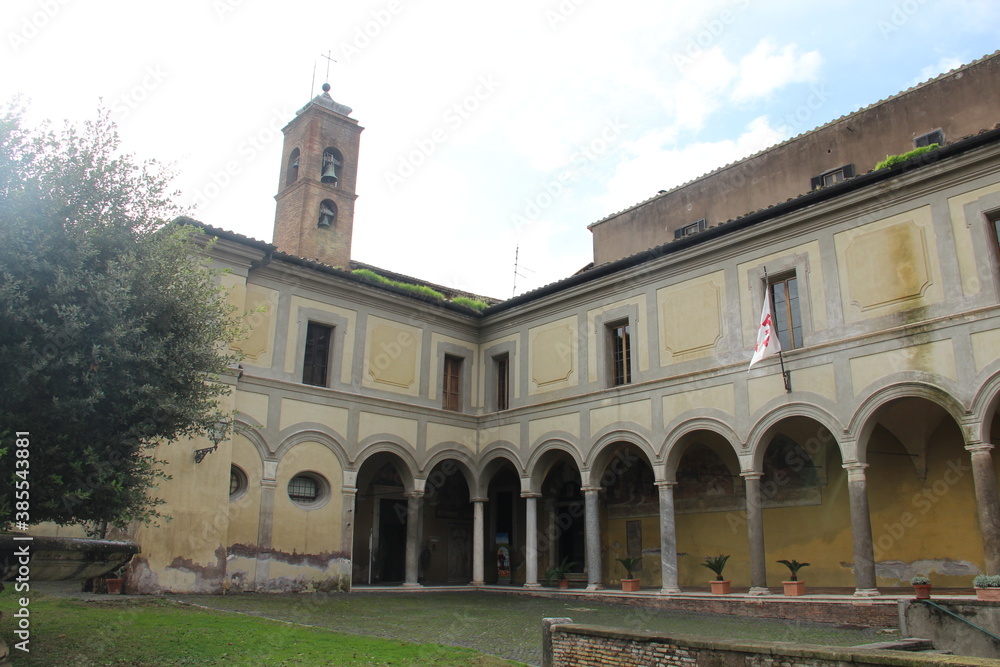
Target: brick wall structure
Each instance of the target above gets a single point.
(572, 645)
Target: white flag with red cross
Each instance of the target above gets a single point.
(767, 340)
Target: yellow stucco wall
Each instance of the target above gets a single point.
(310, 531)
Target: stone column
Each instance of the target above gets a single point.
(531, 540)
(593, 537)
(987, 503)
(414, 528)
(668, 539)
(755, 531)
(861, 530)
(478, 557)
(551, 534)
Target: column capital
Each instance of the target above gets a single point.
(414, 494)
(349, 490)
(753, 474)
(978, 447)
(530, 494)
(479, 500)
(591, 489)
(665, 484)
(855, 471)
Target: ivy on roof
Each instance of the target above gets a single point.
(893, 160)
(423, 290)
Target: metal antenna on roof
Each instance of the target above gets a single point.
(312, 85)
(517, 251)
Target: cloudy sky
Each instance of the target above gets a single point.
(489, 126)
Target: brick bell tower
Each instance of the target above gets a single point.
(314, 217)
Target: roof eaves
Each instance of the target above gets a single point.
(773, 211)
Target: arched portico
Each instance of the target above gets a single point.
(706, 494)
(446, 550)
(387, 519)
(623, 503)
(554, 487)
(922, 492)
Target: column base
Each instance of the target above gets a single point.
(477, 583)
(759, 590)
(866, 593)
(595, 587)
(534, 585)
(670, 591)
(409, 585)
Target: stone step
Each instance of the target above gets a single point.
(914, 644)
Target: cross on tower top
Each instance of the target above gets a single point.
(329, 59)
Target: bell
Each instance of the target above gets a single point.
(330, 174)
(324, 221)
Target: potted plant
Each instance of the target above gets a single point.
(113, 582)
(559, 573)
(794, 586)
(631, 583)
(717, 564)
(921, 587)
(987, 587)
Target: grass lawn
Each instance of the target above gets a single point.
(160, 633)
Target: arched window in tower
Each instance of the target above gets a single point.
(327, 214)
(333, 162)
(293, 168)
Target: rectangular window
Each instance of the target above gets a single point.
(787, 320)
(317, 356)
(935, 137)
(693, 228)
(621, 363)
(451, 385)
(833, 176)
(503, 381)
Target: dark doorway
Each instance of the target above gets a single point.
(390, 559)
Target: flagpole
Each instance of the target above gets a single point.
(786, 376)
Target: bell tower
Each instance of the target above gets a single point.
(314, 217)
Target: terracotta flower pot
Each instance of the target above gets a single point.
(563, 584)
(114, 586)
(794, 587)
(988, 594)
(721, 587)
(630, 585)
(922, 591)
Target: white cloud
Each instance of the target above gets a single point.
(767, 69)
(946, 64)
(654, 166)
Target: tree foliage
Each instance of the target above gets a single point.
(113, 337)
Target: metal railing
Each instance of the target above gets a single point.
(964, 620)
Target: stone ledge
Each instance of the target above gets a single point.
(834, 654)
